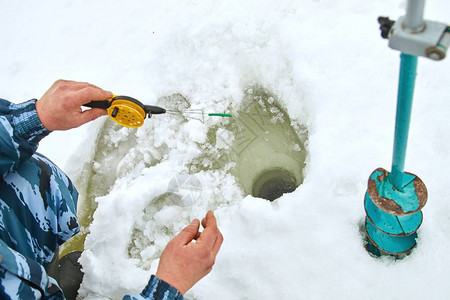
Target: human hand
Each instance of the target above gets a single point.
(60, 107)
(183, 261)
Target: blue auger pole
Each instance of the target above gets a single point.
(413, 22)
(408, 67)
(394, 200)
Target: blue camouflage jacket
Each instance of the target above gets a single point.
(33, 221)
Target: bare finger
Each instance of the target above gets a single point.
(88, 94)
(218, 243)
(189, 233)
(211, 233)
(88, 115)
(209, 220)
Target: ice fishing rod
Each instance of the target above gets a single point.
(130, 112)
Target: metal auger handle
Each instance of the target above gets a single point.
(413, 35)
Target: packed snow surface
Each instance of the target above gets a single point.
(327, 66)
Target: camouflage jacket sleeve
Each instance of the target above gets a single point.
(157, 289)
(23, 278)
(20, 133)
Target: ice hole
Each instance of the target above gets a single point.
(260, 145)
(269, 149)
(272, 184)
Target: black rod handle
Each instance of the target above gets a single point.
(104, 104)
(154, 110)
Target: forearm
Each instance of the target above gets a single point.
(20, 133)
(157, 289)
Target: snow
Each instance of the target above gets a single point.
(328, 67)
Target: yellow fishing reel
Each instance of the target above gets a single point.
(126, 111)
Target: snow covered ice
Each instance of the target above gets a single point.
(329, 69)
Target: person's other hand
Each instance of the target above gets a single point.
(60, 107)
(184, 261)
